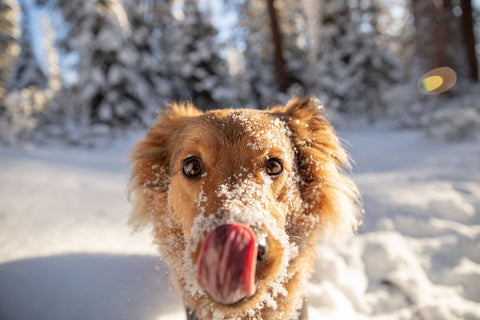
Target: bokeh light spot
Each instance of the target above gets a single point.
(437, 81)
(432, 83)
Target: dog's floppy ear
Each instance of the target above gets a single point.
(150, 159)
(321, 162)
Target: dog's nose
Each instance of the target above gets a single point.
(262, 252)
(262, 242)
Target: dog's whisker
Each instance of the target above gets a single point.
(173, 250)
(316, 257)
(165, 276)
(178, 262)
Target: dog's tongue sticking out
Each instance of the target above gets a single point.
(227, 262)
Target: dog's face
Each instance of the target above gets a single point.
(237, 199)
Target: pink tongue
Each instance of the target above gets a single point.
(227, 262)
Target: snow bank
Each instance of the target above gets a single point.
(85, 286)
(66, 252)
(421, 231)
(65, 201)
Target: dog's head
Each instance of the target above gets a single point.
(237, 200)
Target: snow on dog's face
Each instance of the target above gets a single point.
(237, 199)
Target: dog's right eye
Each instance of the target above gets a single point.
(274, 167)
(192, 168)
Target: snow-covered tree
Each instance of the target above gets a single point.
(200, 73)
(353, 68)
(146, 39)
(51, 55)
(26, 71)
(27, 95)
(165, 37)
(258, 55)
(443, 37)
(296, 44)
(262, 55)
(9, 32)
(119, 80)
(395, 29)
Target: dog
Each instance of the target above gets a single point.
(238, 199)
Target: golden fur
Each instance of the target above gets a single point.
(312, 197)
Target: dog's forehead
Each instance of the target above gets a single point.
(250, 126)
(235, 139)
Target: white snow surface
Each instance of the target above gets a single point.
(66, 251)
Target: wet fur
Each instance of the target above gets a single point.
(314, 197)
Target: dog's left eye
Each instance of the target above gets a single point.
(274, 167)
(192, 168)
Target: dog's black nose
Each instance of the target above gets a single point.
(262, 242)
(262, 252)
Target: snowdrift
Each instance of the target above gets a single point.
(67, 253)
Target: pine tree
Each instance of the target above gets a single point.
(158, 15)
(9, 49)
(201, 74)
(393, 19)
(51, 55)
(148, 44)
(353, 68)
(26, 70)
(296, 45)
(27, 96)
(119, 81)
(258, 55)
(282, 76)
(267, 59)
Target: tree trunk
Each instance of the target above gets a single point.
(460, 45)
(283, 80)
(444, 38)
(431, 34)
(469, 39)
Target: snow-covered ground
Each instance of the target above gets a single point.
(67, 253)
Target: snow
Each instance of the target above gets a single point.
(66, 251)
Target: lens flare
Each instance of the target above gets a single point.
(437, 81)
(432, 83)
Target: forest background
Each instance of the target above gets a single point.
(78, 71)
(79, 74)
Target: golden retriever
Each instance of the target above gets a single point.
(238, 199)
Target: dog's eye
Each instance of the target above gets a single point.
(274, 167)
(192, 168)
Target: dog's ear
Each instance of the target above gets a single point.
(321, 163)
(150, 159)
